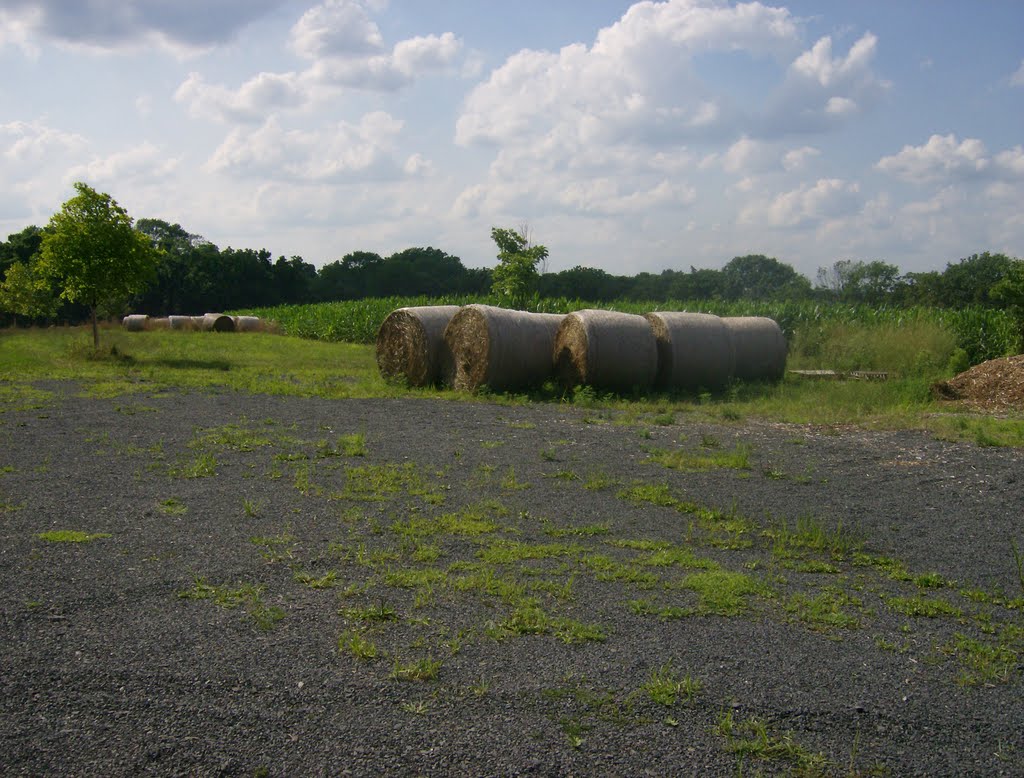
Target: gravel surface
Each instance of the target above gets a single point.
(533, 560)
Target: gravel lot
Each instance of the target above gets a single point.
(522, 573)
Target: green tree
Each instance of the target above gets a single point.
(25, 291)
(93, 253)
(757, 277)
(1010, 292)
(515, 277)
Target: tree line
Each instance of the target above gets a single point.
(192, 275)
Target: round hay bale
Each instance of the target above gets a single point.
(247, 323)
(181, 322)
(606, 349)
(410, 343)
(695, 350)
(760, 347)
(135, 322)
(158, 323)
(498, 348)
(216, 322)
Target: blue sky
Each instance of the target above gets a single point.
(630, 137)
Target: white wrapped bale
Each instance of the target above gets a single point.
(760, 347)
(135, 322)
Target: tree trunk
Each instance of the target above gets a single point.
(95, 330)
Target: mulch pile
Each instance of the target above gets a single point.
(994, 385)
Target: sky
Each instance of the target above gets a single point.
(629, 137)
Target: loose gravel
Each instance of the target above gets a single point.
(215, 630)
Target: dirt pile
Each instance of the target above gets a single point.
(994, 385)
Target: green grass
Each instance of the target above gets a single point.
(72, 536)
(666, 687)
(736, 459)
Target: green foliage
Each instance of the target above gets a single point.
(93, 253)
(26, 291)
(72, 536)
(515, 277)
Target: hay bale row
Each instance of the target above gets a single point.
(208, 322)
(479, 345)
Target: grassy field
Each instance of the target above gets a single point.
(130, 363)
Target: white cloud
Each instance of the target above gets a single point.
(340, 152)
(251, 103)
(819, 65)
(808, 204)
(635, 83)
(1017, 79)
(336, 27)
(33, 142)
(145, 163)
(796, 159)
(943, 157)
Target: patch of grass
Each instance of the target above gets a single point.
(172, 506)
(245, 594)
(509, 482)
(385, 482)
(72, 536)
(422, 669)
(470, 521)
(922, 607)
(371, 613)
(983, 663)
(751, 738)
(736, 459)
(722, 592)
(203, 466)
(666, 687)
(810, 534)
(353, 444)
(599, 480)
(823, 612)
(313, 581)
(584, 531)
(235, 437)
(358, 645)
(276, 548)
(508, 551)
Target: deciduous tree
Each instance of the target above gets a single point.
(93, 253)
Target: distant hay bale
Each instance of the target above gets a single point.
(158, 323)
(760, 347)
(135, 322)
(695, 350)
(498, 348)
(606, 350)
(248, 323)
(181, 322)
(216, 322)
(410, 343)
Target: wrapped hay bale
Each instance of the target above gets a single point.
(606, 349)
(216, 322)
(410, 343)
(760, 347)
(181, 322)
(498, 348)
(158, 323)
(695, 350)
(247, 323)
(135, 322)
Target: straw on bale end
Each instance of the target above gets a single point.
(135, 322)
(760, 347)
(606, 349)
(216, 322)
(410, 343)
(695, 350)
(498, 348)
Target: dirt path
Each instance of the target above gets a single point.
(306, 587)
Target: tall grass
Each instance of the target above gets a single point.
(981, 333)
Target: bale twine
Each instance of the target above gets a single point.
(695, 350)
(216, 322)
(135, 322)
(247, 323)
(410, 342)
(606, 349)
(498, 348)
(760, 347)
(181, 322)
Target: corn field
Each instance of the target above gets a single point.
(983, 333)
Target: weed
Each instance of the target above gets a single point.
(664, 686)
(922, 607)
(248, 595)
(203, 466)
(509, 482)
(423, 669)
(275, 548)
(982, 663)
(72, 536)
(419, 707)
(371, 613)
(736, 459)
(251, 508)
(823, 612)
(325, 581)
(599, 480)
(751, 738)
(172, 506)
(722, 592)
(357, 644)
